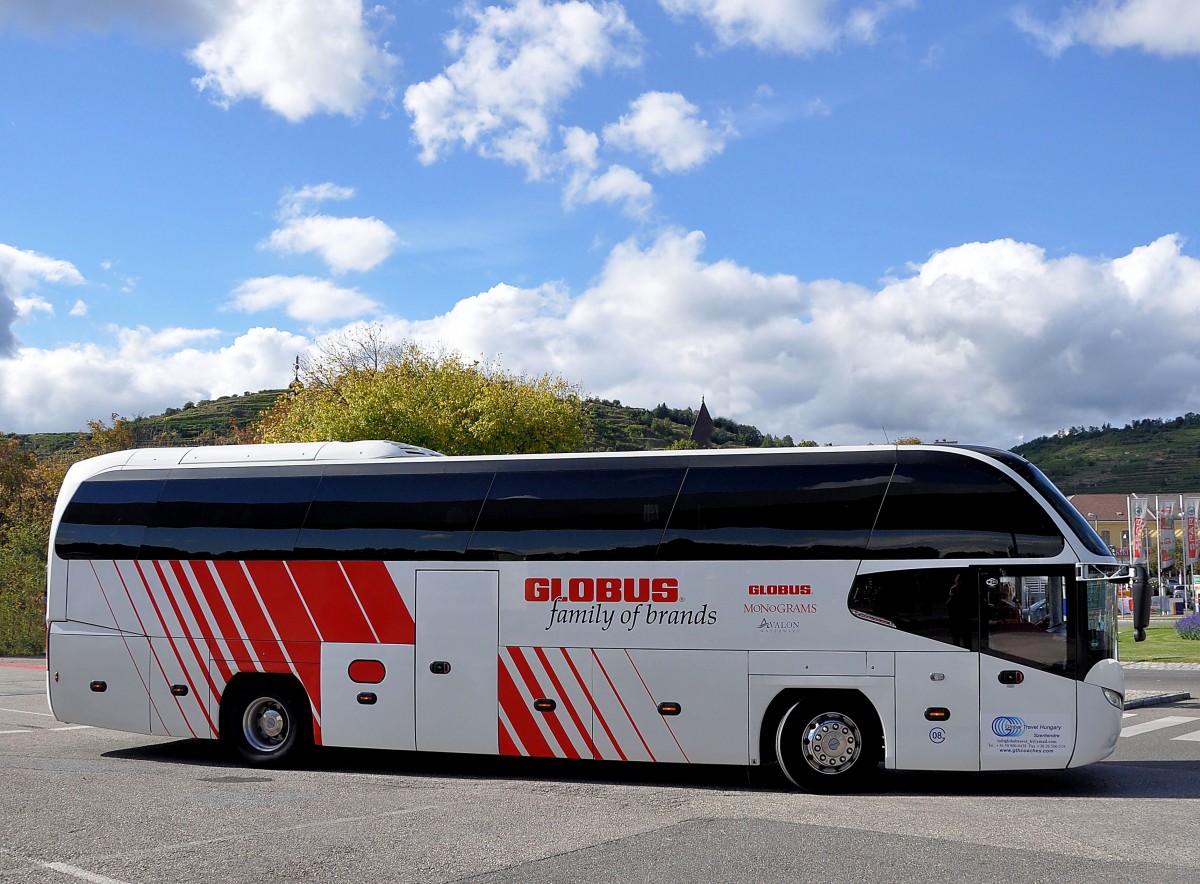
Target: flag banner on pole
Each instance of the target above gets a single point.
(1191, 547)
(1137, 543)
(1166, 532)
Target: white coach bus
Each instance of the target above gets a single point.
(827, 610)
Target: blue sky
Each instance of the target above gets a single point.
(974, 221)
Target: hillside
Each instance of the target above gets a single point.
(205, 422)
(617, 427)
(613, 426)
(1147, 456)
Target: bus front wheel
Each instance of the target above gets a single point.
(827, 745)
(264, 722)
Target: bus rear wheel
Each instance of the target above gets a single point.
(827, 745)
(264, 722)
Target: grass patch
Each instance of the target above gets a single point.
(1162, 645)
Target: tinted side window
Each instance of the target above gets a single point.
(776, 512)
(957, 508)
(228, 516)
(576, 514)
(401, 516)
(107, 517)
(941, 604)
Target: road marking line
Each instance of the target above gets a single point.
(82, 874)
(1193, 737)
(22, 731)
(1147, 726)
(24, 712)
(73, 727)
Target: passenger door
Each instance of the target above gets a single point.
(1026, 668)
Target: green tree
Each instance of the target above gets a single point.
(28, 488)
(361, 387)
(22, 590)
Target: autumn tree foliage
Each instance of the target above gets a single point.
(362, 387)
(28, 492)
(28, 488)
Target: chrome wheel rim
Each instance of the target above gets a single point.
(832, 743)
(266, 725)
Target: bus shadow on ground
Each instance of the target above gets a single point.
(1112, 779)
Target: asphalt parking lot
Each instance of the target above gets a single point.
(95, 805)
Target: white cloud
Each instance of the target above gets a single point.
(138, 372)
(301, 200)
(797, 27)
(862, 22)
(21, 271)
(1160, 27)
(616, 185)
(343, 243)
(513, 71)
(984, 342)
(30, 304)
(80, 308)
(305, 298)
(151, 342)
(298, 57)
(665, 126)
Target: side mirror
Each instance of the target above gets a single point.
(1139, 586)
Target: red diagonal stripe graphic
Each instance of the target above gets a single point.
(508, 746)
(249, 611)
(295, 627)
(584, 731)
(330, 601)
(202, 623)
(239, 648)
(178, 657)
(519, 715)
(282, 602)
(599, 716)
(666, 723)
(624, 708)
(382, 602)
(197, 654)
(124, 639)
(535, 689)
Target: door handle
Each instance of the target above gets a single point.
(439, 667)
(1010, 676)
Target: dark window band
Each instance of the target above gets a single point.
(855, 505)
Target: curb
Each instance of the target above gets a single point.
(15, 664)
(1157, 700)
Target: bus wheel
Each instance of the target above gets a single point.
(264, 723)
(827, 745)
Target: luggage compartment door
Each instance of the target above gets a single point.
(457, 666)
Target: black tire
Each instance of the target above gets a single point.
(828, 744)
(265, 721)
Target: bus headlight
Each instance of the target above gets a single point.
(1113, 697)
